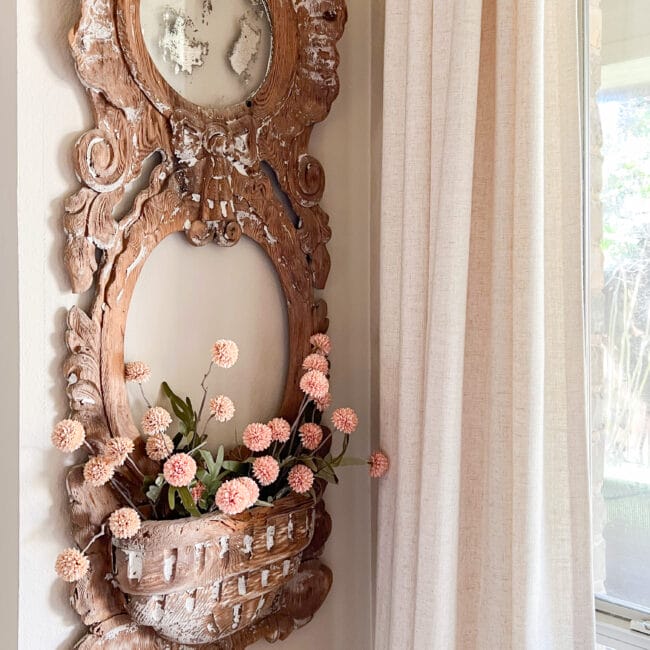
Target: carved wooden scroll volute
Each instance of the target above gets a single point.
(221, 174)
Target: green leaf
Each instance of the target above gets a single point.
(171, 497)
(348, 462)
(328, 474)
(264, 504)
(188, 501)
(153, 493)
(208, 460)
(220, 456)
(232, 465)
(310, 463)
(178, 405)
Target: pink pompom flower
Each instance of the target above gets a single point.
(321, 343)
(156, 420)
(257, 437)
(316, 362)
(232, 497)
(117, 450)
(280, 430)
(300, 479)
(266, 470)
(311, 435)
(324, 402)
(252, 488)
(222, 408)
(197, 492)
(71, 565)
(68, 435)
(98, 471)
(345, 420)
(137, 371)
(225, 353)
(124, 523)
(179, 470)
(379, 464)
(159, 446)
(314, 384)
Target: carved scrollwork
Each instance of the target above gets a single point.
(212, 188)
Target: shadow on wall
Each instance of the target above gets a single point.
(55, 19)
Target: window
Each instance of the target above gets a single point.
(618, 206)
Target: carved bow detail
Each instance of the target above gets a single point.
(234, 140)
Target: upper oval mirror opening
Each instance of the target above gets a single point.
(214, 53)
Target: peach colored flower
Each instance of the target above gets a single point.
(301, 479)
(257, 437)
(280, 429)
(266, 470)
(225, 353)
(322, 343)
(316, 362)
(314, 383)
(324, 403)
(379, 464)
(124, 523)
(159, 446)
(137, 371)
(71, 565)
(156, 420)
(345, 420)
(197, 492)
(179, 470)
(98, 471)
(232, 497)
(311, 435)
(68, 435)
(117, 450)
(222, 408)
(252, 488)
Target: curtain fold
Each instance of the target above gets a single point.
(484, 520)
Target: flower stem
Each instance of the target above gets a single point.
(205, 392)
(144, 397)
(101, 533)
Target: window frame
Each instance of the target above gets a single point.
(614, 621)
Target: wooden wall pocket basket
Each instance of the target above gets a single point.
(213, 581)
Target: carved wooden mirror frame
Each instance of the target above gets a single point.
(221, 175)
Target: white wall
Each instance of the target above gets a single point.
(52, 112)
(9, 333)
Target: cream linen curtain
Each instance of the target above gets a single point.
(484, 520)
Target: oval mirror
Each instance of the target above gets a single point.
(185, 299)
(214, 53)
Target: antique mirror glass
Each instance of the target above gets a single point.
(215, 53)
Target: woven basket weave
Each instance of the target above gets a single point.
(199, 580)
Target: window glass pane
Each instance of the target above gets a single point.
(620, 298)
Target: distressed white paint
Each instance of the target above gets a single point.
(265, 577)
(286, 566)
(290, 527)
(169, 565)
(241, 585)
(236, 616)
(248, 544)
(270, 537)
(134, 564)
(223, 546)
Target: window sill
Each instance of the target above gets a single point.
(614, 632)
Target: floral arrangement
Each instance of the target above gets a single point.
(274, 459)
